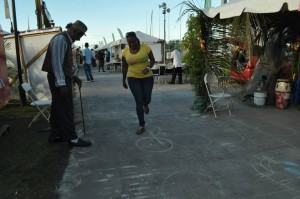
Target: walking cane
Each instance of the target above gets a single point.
(81, 110)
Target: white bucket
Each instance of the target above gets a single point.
(260, 98)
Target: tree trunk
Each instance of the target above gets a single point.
(267, 68)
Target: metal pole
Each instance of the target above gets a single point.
(38, 13)
(21, 91)
(164, 12)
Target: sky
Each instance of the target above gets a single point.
(104, 17)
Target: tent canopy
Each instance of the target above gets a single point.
(106, 46)
(236, 8)
(5, 32)
(143, 37)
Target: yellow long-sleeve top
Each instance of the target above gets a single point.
(137, 62)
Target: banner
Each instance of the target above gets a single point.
(4, 83)
(6, 8)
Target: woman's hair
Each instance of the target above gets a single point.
(69, 25)
(132, 34)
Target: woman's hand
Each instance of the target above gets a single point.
(125, 85)
(146, 70)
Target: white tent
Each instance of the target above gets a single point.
(155, 44)
(108, 46)
(236, 8)
(5, 32)
(33, 46)
(144, 38)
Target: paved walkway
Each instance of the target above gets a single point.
(253, 154)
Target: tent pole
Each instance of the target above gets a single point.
(21, 91)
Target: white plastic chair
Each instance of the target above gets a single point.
(218, 99)
(159, 72)
(41, 105)
(168, 72)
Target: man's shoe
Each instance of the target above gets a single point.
(88, 81)
(55, 139)
(171, 83)
(80, 143)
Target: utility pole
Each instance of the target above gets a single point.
(165, 10)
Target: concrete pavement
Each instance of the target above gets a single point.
(253, 154)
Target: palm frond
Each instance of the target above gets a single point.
(189, 7)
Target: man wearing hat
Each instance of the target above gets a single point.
(61, 72)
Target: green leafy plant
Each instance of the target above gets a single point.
(203, 43)
(195, 56)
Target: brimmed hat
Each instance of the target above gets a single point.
(80, 25)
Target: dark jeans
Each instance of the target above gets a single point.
(141, 88)
(88, 72)
(62, 111)
(101, 65)
(94, 62)
(174, 72)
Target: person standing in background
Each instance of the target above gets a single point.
(93, 58)
(78, 54)
(177, 66)
(137, 69)
(87, 58)
(101, 56)
(107, 58)
(59, 64)
(107, 55)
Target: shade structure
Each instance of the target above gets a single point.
(144, 38)
(236, 8)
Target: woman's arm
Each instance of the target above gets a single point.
(124, 68)
(151, 63)
(151, 58)
(124, 71)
